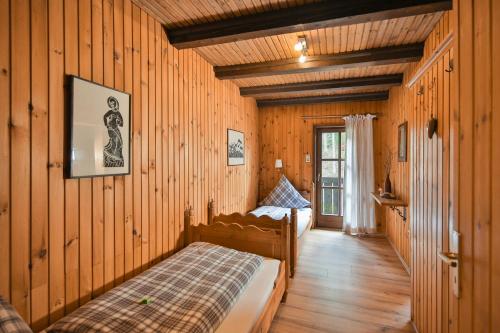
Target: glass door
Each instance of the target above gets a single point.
(330, 160)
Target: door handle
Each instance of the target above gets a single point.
(452, 259)
(319, 178)
(449, 258)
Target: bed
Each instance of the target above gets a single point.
(304, 216)
(227, 278)
(270, 218)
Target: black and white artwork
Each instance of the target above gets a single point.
(113, 120)
(99, 130)
(235, 147)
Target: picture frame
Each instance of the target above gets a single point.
(98, 130)
(402, 142)
(235, 147)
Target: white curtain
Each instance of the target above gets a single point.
(359, 211)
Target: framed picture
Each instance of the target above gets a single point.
(98, 130)
(235, 147)
(402, 141)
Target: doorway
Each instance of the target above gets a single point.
(329, 175)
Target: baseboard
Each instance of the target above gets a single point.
(370, 235)
(407, 269)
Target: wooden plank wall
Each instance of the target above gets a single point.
(285, 135)
(65, 241)
(478, 177)
(404, 105)
(424, 181)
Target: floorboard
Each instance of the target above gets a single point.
(346, 284)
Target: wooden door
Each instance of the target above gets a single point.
(330, 159)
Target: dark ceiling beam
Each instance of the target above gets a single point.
(297, 19)
(370, 82)
(371, 96)
(371, 57)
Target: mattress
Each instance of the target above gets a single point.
(245, 313)
(277, 213)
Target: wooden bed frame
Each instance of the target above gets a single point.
(267, 243)
(268, 223)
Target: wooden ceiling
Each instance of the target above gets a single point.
(189, 17)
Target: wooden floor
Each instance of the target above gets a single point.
(346, 284)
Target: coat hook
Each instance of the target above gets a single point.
(420, 91)
(450, 66)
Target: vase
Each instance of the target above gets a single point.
(387, 185)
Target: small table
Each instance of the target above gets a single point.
(393, 204)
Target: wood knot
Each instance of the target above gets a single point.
(57, 51)
(71, 241)
(54, 165)
(108, 187)
(4, 71)
(42, 253)
(116, 55)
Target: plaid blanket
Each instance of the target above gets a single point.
(10, 320)
(191, 291)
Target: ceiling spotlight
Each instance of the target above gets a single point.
(302, 58)
(301, 44)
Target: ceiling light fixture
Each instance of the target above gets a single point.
(301, 44)
(302, 58)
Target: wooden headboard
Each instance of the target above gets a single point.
(268, 243)
(310, 195)
(306, 194)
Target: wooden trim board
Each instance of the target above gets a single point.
(438, 53)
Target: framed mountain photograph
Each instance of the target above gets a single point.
(235, 147)
(98, 130)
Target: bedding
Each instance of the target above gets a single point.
(285, 195)
(277, 213)
(245, 313)
(10, 320)
(192, 291)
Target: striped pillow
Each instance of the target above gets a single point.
(285, 195)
